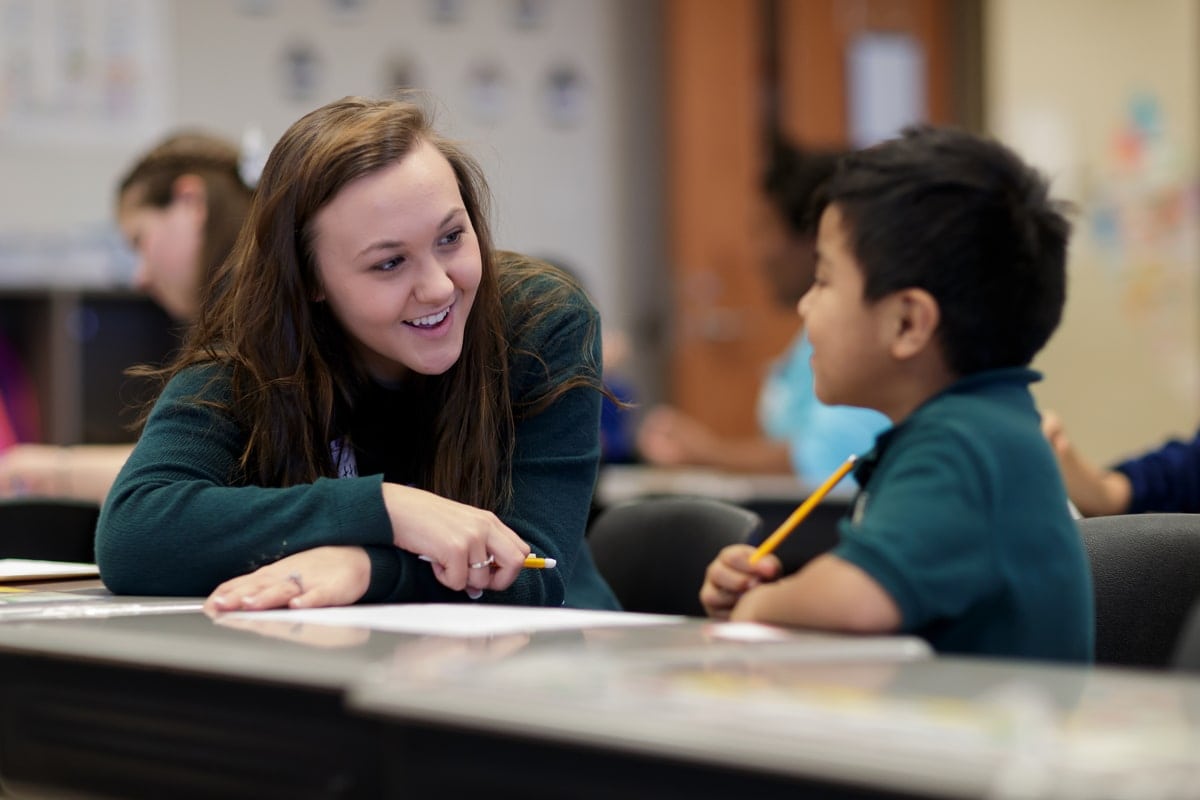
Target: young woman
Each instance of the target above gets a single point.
(180, 207)
(378, 406)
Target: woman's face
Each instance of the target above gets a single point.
(168, 242)
(399, 265)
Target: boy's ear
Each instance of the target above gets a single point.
(914, 322)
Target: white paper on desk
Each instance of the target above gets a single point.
(24, 569)
(460, 619)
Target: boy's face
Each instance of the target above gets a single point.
(850, 349)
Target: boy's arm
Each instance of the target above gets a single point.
(829, 593)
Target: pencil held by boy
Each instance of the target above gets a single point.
(940, 275)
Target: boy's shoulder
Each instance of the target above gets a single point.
(983, 403)
(982, 427)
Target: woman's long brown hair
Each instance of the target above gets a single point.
(290, 366)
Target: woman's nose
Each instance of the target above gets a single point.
(433, 283)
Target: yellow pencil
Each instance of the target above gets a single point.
(531, 562)
(805, 508)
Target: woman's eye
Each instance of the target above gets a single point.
(390, 264)
(453, 237)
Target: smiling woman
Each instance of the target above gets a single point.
(375, 384)
(406, 296)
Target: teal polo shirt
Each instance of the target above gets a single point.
(962, 518)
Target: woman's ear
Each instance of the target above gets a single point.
(191, 191)
(914, 322)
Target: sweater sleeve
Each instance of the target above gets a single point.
(177, 522)
(557, 452)
(1166, 479)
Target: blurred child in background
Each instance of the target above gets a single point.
(180, 207)
(800, 434)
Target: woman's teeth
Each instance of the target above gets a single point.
(430, 321)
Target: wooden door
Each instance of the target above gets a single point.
(735, 70)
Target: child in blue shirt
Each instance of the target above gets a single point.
(940, 274)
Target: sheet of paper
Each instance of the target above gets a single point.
(24, 569)
(460, 619)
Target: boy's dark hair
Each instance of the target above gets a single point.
(965, 219)
(791, 180)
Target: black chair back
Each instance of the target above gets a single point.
(817, 534)
(47, 529)
(1146, 575)
(1187, 649)
(654, 551)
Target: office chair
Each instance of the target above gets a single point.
(654, 551)
(1146, 576)
(1187, 649)
(48, 529)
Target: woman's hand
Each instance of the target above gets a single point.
(731, 575)
(467, 547)
(323, 576)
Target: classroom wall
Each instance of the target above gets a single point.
(1103, 95)
(576, 180)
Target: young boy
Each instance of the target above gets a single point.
(940, 274)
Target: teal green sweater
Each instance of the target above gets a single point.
(177, 521)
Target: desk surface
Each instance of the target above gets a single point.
(145, 704)
(621, 482)
(952, 727)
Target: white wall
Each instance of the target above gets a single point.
(585, 193)
(1064, 80)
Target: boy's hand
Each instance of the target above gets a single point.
(731, 575)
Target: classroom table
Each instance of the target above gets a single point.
(166, 702)
(147, 697)
(623, 482)
(653, 723)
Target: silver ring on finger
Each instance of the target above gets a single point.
(296, 579)
(487, 562)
